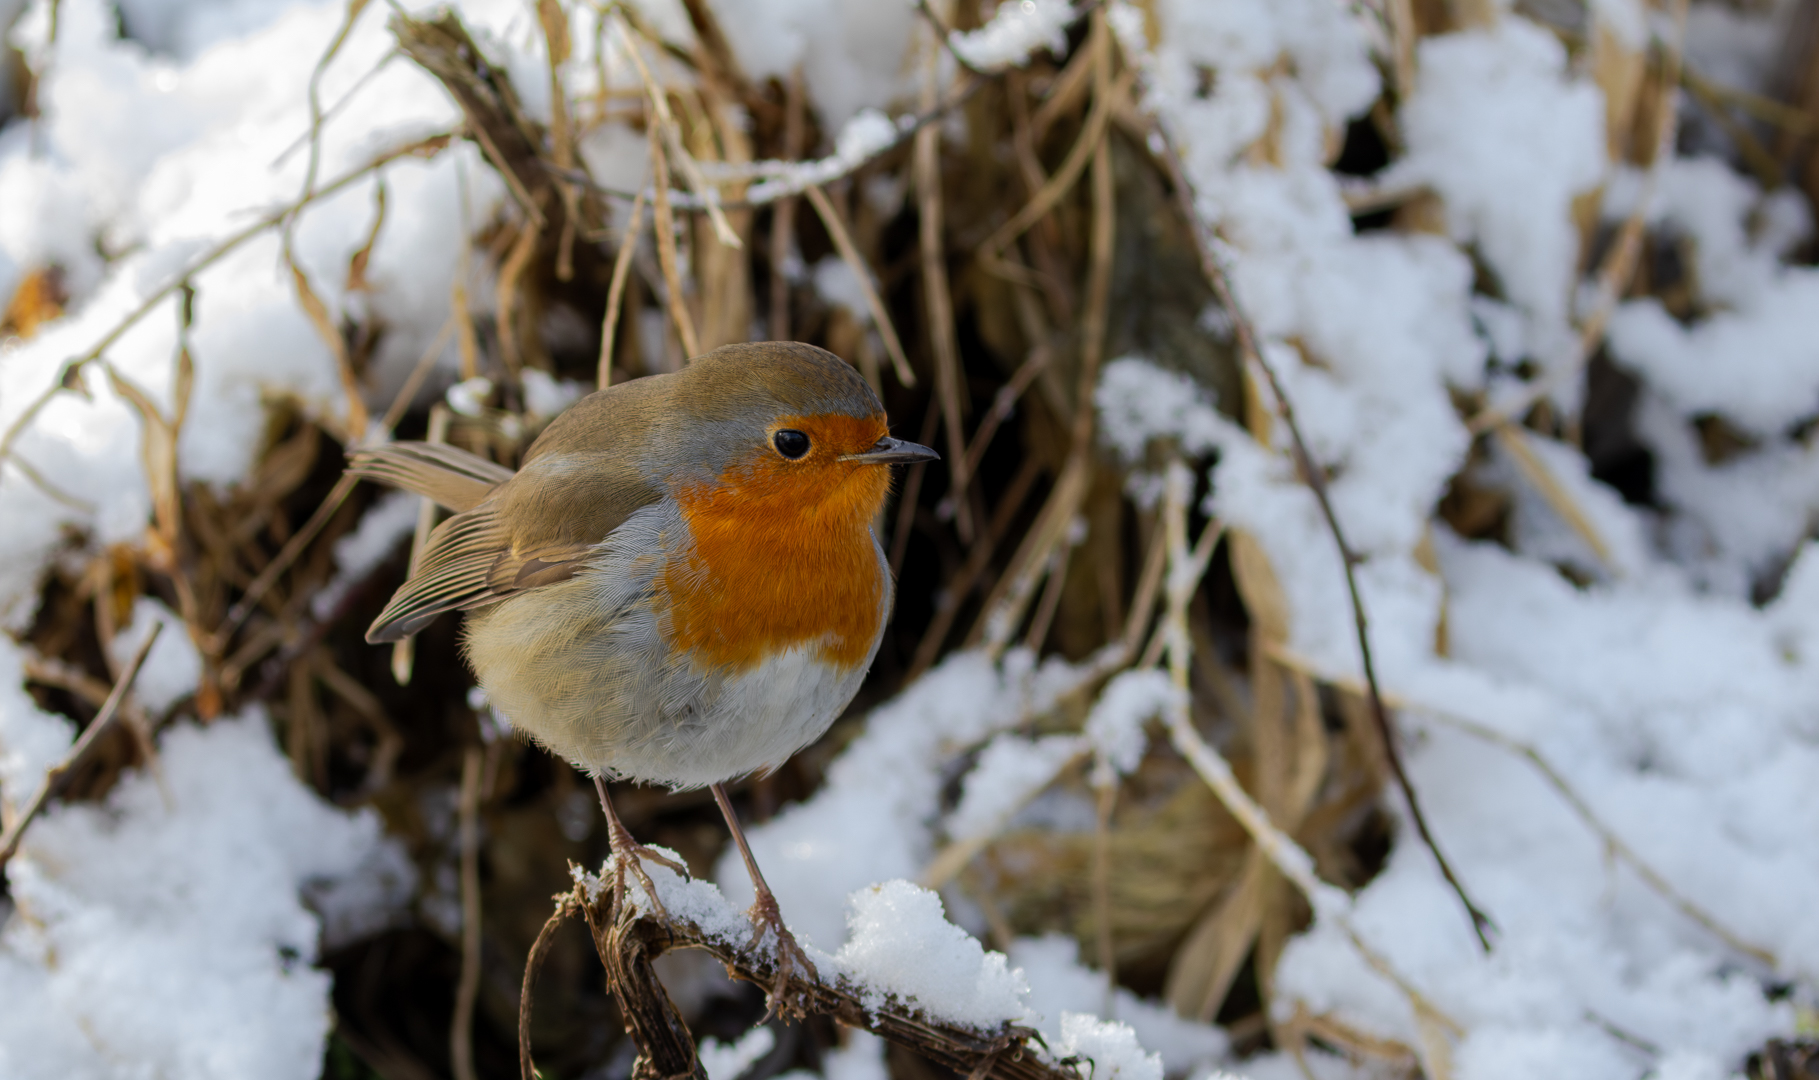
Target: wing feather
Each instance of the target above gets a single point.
(515, 532)
(446, 474)
(455, 573)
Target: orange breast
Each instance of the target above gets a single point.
(782, 556)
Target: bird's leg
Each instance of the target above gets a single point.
(764, 914)
(631, 854)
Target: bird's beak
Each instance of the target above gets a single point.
(889, 451)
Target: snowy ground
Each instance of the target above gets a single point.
(165, 934)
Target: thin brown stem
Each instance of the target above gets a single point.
(9, 841)
(467, 990)
(937, 298)
(666, 251)
(881, 316)
(1315, 479)
(615, 293)
(783, 218)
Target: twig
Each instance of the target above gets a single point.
(316, 115)
(1518, 444)
(628, 943)
(1004, 402)
(425, 363)
(1612, 842)
(666, 250)
(556, 41)
(505, 294)
(1790, 118)
(783, 218)
(255, 592)
(1315, 479)
(615, 292)
(937, 299)
(1004, 609)
(47, 486)
(790, 178)
(1059, 183)
(881, 316)
(1105, 800)
(9, 842)
(333, 110)
(945, 35)
(467, 990)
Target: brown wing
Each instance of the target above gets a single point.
(445, 474)
(453, 574)
(580, 481)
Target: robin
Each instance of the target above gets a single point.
(680, 585)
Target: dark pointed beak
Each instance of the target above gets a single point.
(889, 451)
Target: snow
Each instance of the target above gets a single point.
(155, 923)
(381, 529)
(172, 668)
(1062, 988)
(1760, 327)
(545, 395)
(1508, 139)
(902, 947)
(862, 1058)
(1017, 29)
(729, 1061)
(1111, 1049)
(873, 817)
(1115, 724)
(864, 135)
(1010, 771)
(836, 283)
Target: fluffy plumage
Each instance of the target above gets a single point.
(659, 593)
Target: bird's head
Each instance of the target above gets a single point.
(780, 429)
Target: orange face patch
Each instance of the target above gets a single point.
(783, 551)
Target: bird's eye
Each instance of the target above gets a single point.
(790, 443)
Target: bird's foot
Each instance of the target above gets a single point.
(629, 856)
(791, 963)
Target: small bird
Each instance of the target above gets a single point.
(680, 585)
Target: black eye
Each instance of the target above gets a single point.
(790, 443)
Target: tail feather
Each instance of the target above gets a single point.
(447, 475)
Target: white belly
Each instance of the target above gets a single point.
(582, 667)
